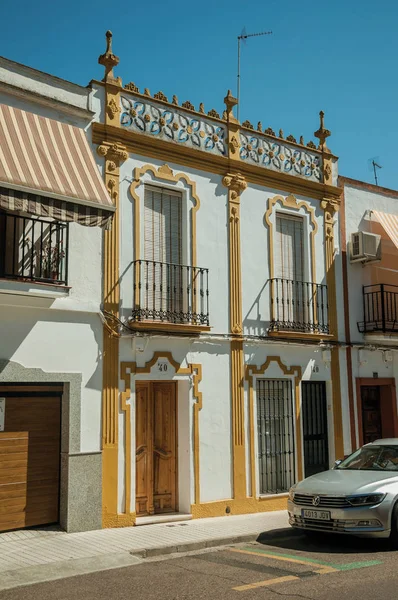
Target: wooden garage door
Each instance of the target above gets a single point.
(29, 461)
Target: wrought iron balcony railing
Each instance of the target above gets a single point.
(33, 249)
(299, 306)
(170, 293)
(380, 308)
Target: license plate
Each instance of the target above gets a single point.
(318, 515)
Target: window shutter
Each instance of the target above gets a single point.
(162, 226)
(289, 255)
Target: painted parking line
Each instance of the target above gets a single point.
(258, 584)
(322, 568)
(319, 567)
(305, 560)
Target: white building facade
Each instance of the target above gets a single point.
(53, 206)
(221, 363)
(369, 239)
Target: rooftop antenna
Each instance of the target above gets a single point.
(374, 165)
(243, 36)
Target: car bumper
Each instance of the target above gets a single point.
(348, 521)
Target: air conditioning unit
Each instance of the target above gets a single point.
(365, 247)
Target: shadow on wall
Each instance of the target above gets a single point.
(26, 338)
(257, 319)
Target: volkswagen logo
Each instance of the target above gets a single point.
(316, 501)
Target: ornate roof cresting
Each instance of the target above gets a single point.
(322, 134)
(109, 61)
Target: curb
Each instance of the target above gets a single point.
(191, 546)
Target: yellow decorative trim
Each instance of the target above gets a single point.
(290, 202)
(114, 155)
(163, 173)
(295, 371)
(242, 506)
(236, 184)
(147, 146)
(330, 207)
(130, 368)
(169, 327)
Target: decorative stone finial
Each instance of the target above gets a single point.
(322, 134)
(109, 61)
(230, 101)
(259, 127)
(281, 133)
(202, 108)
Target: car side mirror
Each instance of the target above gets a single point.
(337, 463)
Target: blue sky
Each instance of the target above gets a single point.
(340, 56)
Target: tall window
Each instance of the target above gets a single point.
(289, 248)
(293, 294)
(165, 277)
(275, 426)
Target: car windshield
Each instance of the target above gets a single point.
(372, 458)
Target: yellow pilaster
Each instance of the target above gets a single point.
(236, 184)
(114, 155)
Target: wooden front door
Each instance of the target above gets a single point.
(371, 413)
(29, 460)
(156, 448)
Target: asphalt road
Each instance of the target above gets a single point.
(280, 564)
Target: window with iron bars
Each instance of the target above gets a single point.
(275, 426)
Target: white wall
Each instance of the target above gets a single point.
(357, 202)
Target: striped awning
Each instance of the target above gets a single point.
(47, 169)
(389, 223)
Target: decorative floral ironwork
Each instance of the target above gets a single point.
(169, 124)
(282, 157)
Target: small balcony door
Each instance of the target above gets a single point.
(289, 271)
(164, 277)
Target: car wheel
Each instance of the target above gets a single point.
(394, 527)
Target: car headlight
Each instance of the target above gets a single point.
(366, 500)
(291, 493)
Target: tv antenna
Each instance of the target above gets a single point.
(374, 165)
(243, 37)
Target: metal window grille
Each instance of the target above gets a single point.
(275, 424)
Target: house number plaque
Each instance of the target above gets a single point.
(163, 366)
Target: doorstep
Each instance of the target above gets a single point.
(165, 518)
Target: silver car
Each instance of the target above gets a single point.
(359, 496)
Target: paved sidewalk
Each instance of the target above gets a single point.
(32, 556)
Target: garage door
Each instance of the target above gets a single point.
(29, 459)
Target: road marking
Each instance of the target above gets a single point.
(258, 584)
(322, 569)
(325, 566)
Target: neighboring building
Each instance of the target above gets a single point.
(369, 228)
(53, 204)
(220, 265)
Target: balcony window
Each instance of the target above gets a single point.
(380, 309)
(33, 249)
(166, 289)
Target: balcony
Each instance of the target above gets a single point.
(170, 297)
(298, 308)
(380, 309)
(34, 250)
